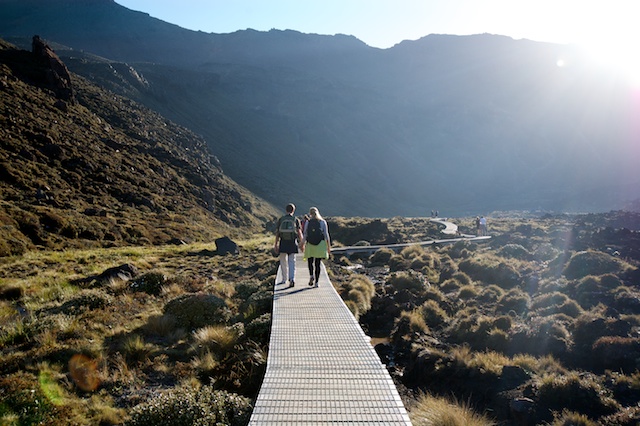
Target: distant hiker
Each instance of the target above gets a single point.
(317, 244)
(304, 221)
(483, 226)
(477, 226)
(288, 237)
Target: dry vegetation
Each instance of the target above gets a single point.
(537, 326)
(172, 327)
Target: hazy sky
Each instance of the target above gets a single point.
(383, 23)
(608, 28)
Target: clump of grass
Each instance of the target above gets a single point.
(216, 338)
(584, 394)
(430, 410)
(434, 316)
(410, 281)
(195, 310)
(592, 262)
(359, 290)
(571, 418)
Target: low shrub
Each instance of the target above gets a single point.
(259, 329)
(150, 283)
(410, 281)
(192, 406)
(434, 316)
(592, 262)
(381, 257)
(514, 300)
(580, 393)
(616, 353)
(515, 251)
(196, 310)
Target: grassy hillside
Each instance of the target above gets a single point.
(102, 170)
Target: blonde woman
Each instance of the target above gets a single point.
(317, 244)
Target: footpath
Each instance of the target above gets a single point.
(321, 368)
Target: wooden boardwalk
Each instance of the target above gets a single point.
(321, 368)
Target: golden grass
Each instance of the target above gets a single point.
(431, 410)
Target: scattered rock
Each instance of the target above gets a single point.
(225, 245)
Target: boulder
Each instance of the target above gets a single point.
(225, 245)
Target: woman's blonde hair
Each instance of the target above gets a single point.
(315, 213)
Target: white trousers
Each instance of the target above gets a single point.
(288, 266)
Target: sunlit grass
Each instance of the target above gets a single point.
(431, 410)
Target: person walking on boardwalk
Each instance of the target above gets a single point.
(317, 244)
(288, 237)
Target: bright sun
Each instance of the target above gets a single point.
(610, 35)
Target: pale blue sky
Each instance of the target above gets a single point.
(608, 28)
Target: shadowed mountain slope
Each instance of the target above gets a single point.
(99, 169)
(459, 124)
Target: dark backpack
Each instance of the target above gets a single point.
(287, 228)
(314, 232)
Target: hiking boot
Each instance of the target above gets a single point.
(291, 283)
(311, 282)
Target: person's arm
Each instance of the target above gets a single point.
(300, 235)
(326, 236)
(275, 245)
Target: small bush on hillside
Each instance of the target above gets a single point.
(150, 283)
(515, 251)
(191, 406)
(195, 310)
(434, 316)
(491, 270)
(259, 329)
(490, 294)
(571, 418)
(86, 300)
(582, 394)
(408, 324)
(515, 300)
(410, 281)
(450, 286)
(398, 263)
(616, 353)
(381, 257)
(468, 292)
(23, 400)
(592, 262)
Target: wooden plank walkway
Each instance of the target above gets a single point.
(321, 368)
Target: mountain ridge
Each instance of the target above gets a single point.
(462, 124)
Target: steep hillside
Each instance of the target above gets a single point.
(459, 124)
(98, 169)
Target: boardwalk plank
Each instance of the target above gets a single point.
(321, 368)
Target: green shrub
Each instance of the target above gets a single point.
(150, 283)
(468, 292)
(591, 262)
(450, 286)
(259, 329)
(192, 407)
(196, 310)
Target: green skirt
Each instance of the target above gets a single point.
(317, 251)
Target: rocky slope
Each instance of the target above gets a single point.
(84, 167)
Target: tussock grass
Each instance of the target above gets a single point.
(430, 410)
